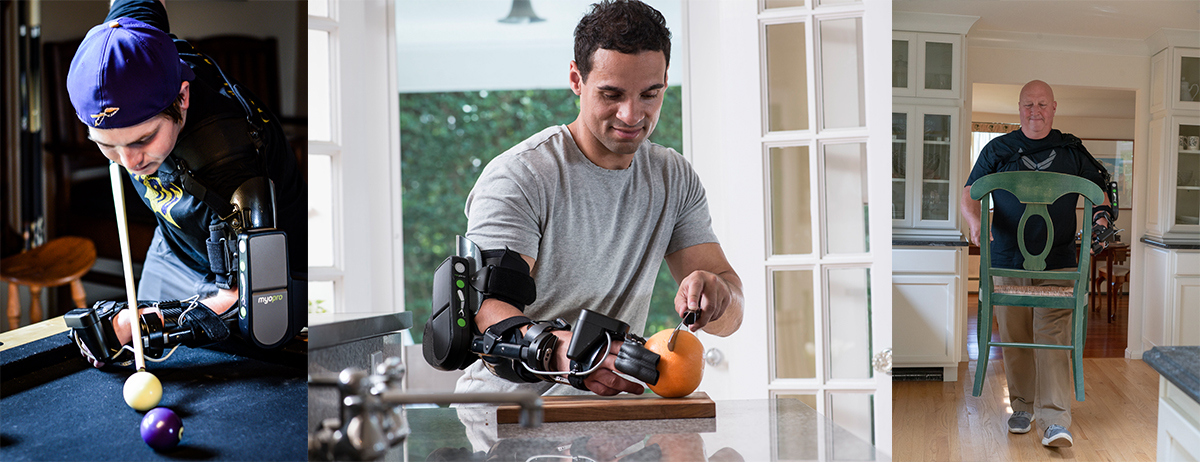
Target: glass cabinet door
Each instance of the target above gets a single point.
(938, 65)
(1189, 79)
(904, 63)
(935, 168)
(1187, 177)
(899, 161)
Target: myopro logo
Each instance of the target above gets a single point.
(268, 299)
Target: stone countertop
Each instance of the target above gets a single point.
(1180, 365)
(783, 429)
(929, 242)
(1172, 244)
(349, 327)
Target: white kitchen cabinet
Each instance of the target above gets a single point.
(926, 65)
(1171, 299)
(927, 314)
(925, 170)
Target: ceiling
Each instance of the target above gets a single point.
(1130, 20)
(1138, 19)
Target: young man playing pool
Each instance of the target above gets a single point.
(208, 159)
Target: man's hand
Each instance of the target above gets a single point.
(604, 381)
(707, 284)
(705, 293)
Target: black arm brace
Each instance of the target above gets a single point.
(186, 322)
(451, 342)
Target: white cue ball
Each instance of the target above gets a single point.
(142, 391)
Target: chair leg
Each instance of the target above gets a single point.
(14, 306)
(1079, 334)
(984, 321)
(77, 294)
(35, 304)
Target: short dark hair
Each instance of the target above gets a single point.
(175, 110)
(626, 26)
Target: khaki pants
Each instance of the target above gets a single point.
(1039, 380)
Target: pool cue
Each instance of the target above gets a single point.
(114, 170)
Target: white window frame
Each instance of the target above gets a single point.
(365, 156)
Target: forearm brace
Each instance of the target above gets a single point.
(460, 285)
(186, 322)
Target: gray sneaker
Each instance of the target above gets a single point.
(1057, 437)
(1020, 422)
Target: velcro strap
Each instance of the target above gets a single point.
(505, 276)
(219, 254)
(206, 326)
(500, 330)
(509, 285)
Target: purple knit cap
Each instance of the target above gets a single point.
(124, 73)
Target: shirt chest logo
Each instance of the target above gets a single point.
(1039, 166)
(162, 196)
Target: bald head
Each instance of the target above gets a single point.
(1037, 108)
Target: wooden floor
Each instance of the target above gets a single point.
(941, 421)
(1117, 421)
(1105, 339)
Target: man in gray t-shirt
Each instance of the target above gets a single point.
(593, 207)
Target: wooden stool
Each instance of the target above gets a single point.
(60, 261)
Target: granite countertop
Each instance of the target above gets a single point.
(1172, 244)
(929, 242)
(783, 429)
(1180, 365)
(348, 327)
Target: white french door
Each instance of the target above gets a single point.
(787, 112)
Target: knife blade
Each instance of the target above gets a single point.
(689, 318)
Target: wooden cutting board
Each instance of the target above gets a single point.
(621, 407)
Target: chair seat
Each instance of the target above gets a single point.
(1045, 291)
(52, 264)
(1118, 271)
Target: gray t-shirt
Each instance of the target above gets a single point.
(598, 236)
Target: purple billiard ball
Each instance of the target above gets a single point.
(161, 428)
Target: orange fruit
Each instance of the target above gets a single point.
(679, 371)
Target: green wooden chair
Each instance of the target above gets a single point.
(1036, 190)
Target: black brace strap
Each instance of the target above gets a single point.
(206, 326)
(220, 250)
(505, 276)
(499, 331)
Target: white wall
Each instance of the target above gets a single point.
(1083, 127)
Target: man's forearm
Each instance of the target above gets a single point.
(222, 301)
(731, 319)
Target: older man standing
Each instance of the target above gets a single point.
(1039, 380)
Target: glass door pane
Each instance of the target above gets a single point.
(791, 209)
(787, 77)
(900, 64)
(899, 162)
(841, 73)
(795, 339)
(783, 3)
(1189, 79)
(320, 210)
(845, 198)
(1187, 181)
(935, 168)
(849, 323)
(854, 415)
(319, 100)
(939, 62)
